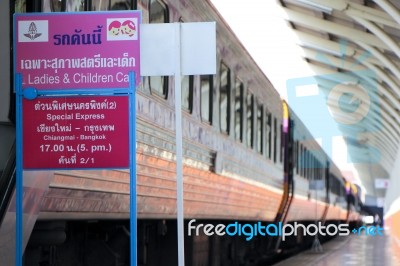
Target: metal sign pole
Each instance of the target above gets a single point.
(19, 174)
(132, 168)
(178, 136)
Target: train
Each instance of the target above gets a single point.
(247, 158)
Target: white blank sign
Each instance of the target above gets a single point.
(158, 45)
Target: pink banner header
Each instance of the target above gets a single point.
(77, 50)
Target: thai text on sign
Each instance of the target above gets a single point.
(76, 132)
(87, 51)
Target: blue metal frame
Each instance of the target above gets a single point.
(32, 93)
(19, 182)
(132, 162)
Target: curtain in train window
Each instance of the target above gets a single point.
(64, 5)
(206, 97)
(224, 92)
(99, 5)
(158, 13)
(238, 110)
(20, 6)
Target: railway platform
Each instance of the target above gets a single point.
(351, 250)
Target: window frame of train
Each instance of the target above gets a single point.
(281, 143)
(85, 5)
(238, 109)
(206, 100)
(301, 160)
(249, 119)
(295, 165)
(259, 128)
(224, 90)
(312, 166)
(306, 162)
(299, 148)
(275, 139)
(160, 89)
(187, 92)
(268, 134)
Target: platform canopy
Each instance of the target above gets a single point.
(353, 46)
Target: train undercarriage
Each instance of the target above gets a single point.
(106, 242)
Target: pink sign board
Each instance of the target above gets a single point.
(76, 132)
(78, 50)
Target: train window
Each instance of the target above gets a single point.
(53, 6)
(187, 92)
(334, 185)
(299, 150)
(268, 132)
(20, 6)
(75, 6)
(304, 162)
(299, 159)
(281, 143)
(158, 13)
(275, 139)
(82, 5)
(238, 110)
(206, 84)
(249, 117)
(313, 167)
(110, 5)
(259, 131)
(63, 5)
(321, 172)
(224, 98)
(295, 155)
(307, 167)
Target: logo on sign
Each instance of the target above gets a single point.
(122, 29)
(33, 31)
